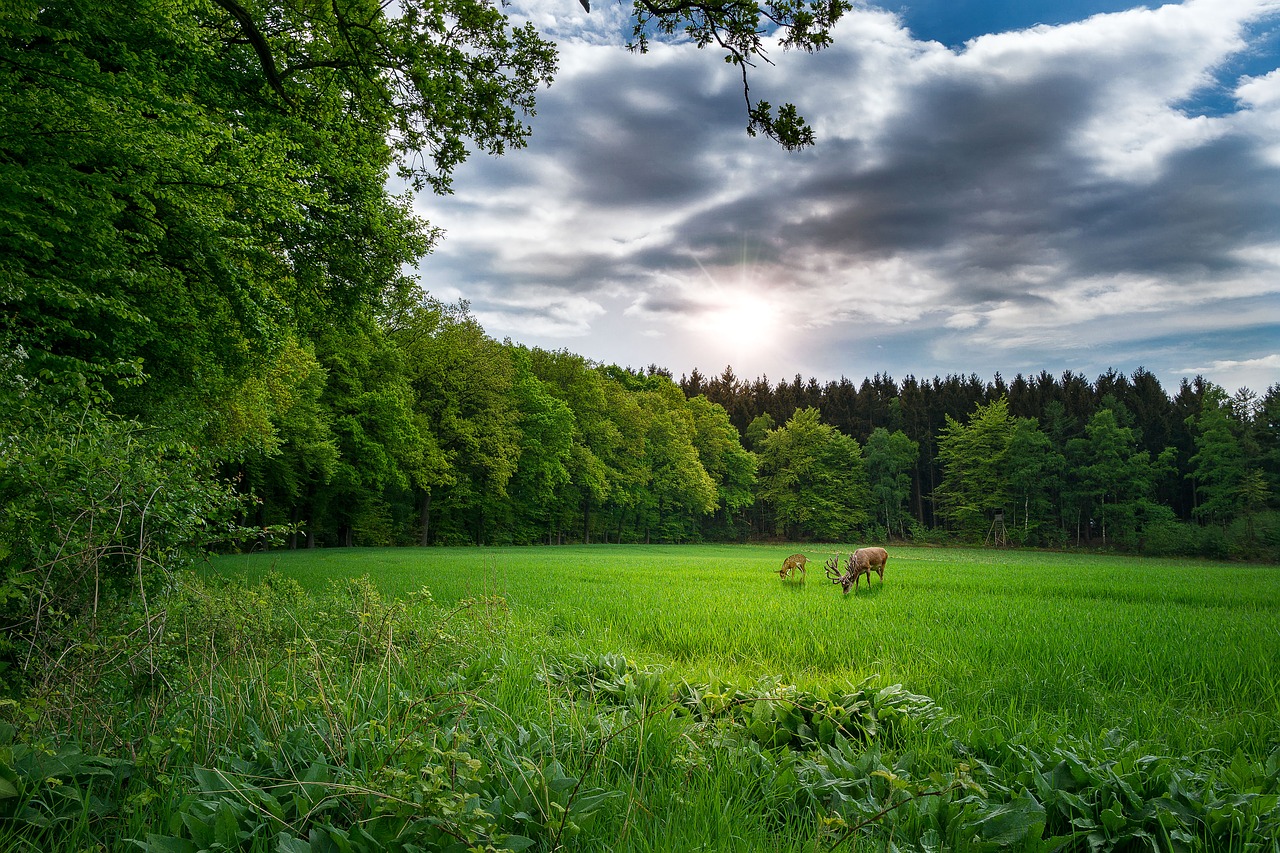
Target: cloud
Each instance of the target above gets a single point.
(1041, 193)
(1269, 362)
(1256, 374)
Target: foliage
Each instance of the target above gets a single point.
(100, 512)
(171, 219)
(739, 28)
(814, 477)
(973, 455)
(345, 719)
(1112, 794)
(1116, 478)
(890, 460)
(1219, 466)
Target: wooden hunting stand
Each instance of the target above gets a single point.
(997, 534)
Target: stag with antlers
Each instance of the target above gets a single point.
(864, 561)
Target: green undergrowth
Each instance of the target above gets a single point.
(286, 721)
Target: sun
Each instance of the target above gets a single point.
(734, 312)
(743, 317)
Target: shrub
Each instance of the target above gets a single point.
(1255, 536)
(100, 512)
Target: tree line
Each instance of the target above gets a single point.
(415, 427)
(420, 429)
(1116, 461)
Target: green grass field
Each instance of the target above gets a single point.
(627, 699)
(1184, 656)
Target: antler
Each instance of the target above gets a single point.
(833, 568)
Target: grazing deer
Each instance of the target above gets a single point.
(849, 577)
(794, 563)
(861, 562)
(873, 559)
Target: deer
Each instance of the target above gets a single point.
(849, 577)
(861, 562)
(794, 563)
(873, 559)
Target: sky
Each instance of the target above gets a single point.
(998, 186)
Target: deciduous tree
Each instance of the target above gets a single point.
(813, 478)
(891, 459)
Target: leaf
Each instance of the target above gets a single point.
(286, 843)
(166, 844)
(557, 780)
(211, 781)
(516, 842)
(201, 831)
(1014, 822)
(7, 789)
(1112, 819)
(226, 828)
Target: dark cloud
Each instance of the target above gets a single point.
(1039, 190)
(1206, 204)
(632, 135)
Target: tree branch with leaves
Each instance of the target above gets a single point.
(741, 28)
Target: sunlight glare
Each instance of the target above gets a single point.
(742, 317)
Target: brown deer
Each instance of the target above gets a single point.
(791, 565)
(870, 560)
(849, 577)
(864, 561)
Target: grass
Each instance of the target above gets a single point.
(1182, 655)
(636, 699)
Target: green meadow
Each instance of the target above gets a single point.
(668, 698)
(1180, 654)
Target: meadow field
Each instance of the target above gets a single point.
(679, 698)
(666, 698)
(1180, 654)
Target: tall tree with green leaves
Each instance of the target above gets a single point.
(598, 442)
(381, 450)
(463, 387)
(1220, 464)
(891, 460)
(184, 180)
(730, 466)
(974, 485)
(1034, 470)
(813, 478)
(545, 425)
(1116, 478)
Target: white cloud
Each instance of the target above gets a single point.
(1256, 374)
(1269, 362)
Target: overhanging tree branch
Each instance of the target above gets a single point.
(738, 27)
(259, 44)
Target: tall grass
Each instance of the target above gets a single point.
(626, 698)
(1181, 654)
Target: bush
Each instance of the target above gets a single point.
(100, 512)
(1255, 537)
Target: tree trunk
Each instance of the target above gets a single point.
(426, 520)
